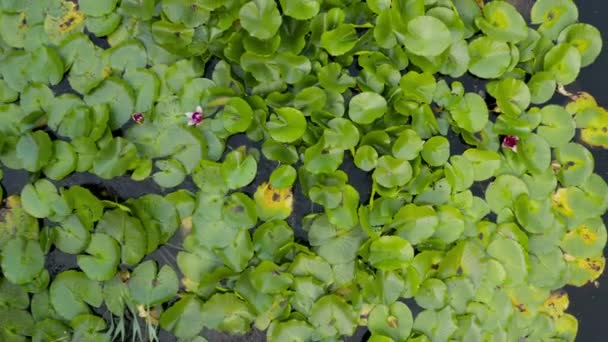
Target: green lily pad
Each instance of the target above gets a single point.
(185, 12)
(237, 115)
(22, 260)
(128, 232)
(286, 125)
(484, 163)
(41, 200)
(553, 16)
(512, 256)
(130, 54)
(512, 95)
(341, 133)
(585, 38)
(557, 127)
(390, 253)
(104, 25)
(415, 223)
(535, 216)
(239, 168)
(564, 62)
(436, 325)
(419, 87)
(426, 36)
(63, 162)
(46, 66)
(149, 287)
(300, 9)
(471, 113)
(502, 21)
(184, 318)
(71, 293)
(332, 77)
(239, 211)
(283, 177)
(50, 330)
(271, 238)
(71, 236)
(432, 294)
(366, 107)
(114, 159)
(260, 18)
(171, 173)
(97, 8)
(281, 330)
(577, 164)
(436, 151)
(35, 150)
(395, 321)
(542, 86)
(503, 191)
(332, 316)
(16, 324)
(226, 312)
(157, 214)
(489, 58)
(536, 153)
(119, 95)
(340, 40)
(407, 146)
(102, 259)
(239, 251)
(268, 278)
(391, 172)
(547, 270)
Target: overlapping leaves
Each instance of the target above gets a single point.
(317, 84)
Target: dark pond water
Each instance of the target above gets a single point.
(589, 304)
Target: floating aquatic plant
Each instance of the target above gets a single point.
(282, 99)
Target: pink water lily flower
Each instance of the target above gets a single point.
(196, 117)
(510, 142)
(138, 118)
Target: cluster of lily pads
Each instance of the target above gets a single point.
(158, 88)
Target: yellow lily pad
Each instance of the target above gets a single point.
(273, 204)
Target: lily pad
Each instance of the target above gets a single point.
(436, 151)
(503, 191)
(22, 260)
(585, 38)
(97, 8)
(71, 293)
(366, 107)
(286, 125)
(391, 172)
(340, 40)
(102, 259)
(395, 321)
(260, 18)
(332, 316)
(553, 16)
(577, 164)
(239, 168)
(564, 61)
(119, 95)
(184, 318)
(390, 253)
(490, 58)
(502, 21)
(150, 287)
(426, 36)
